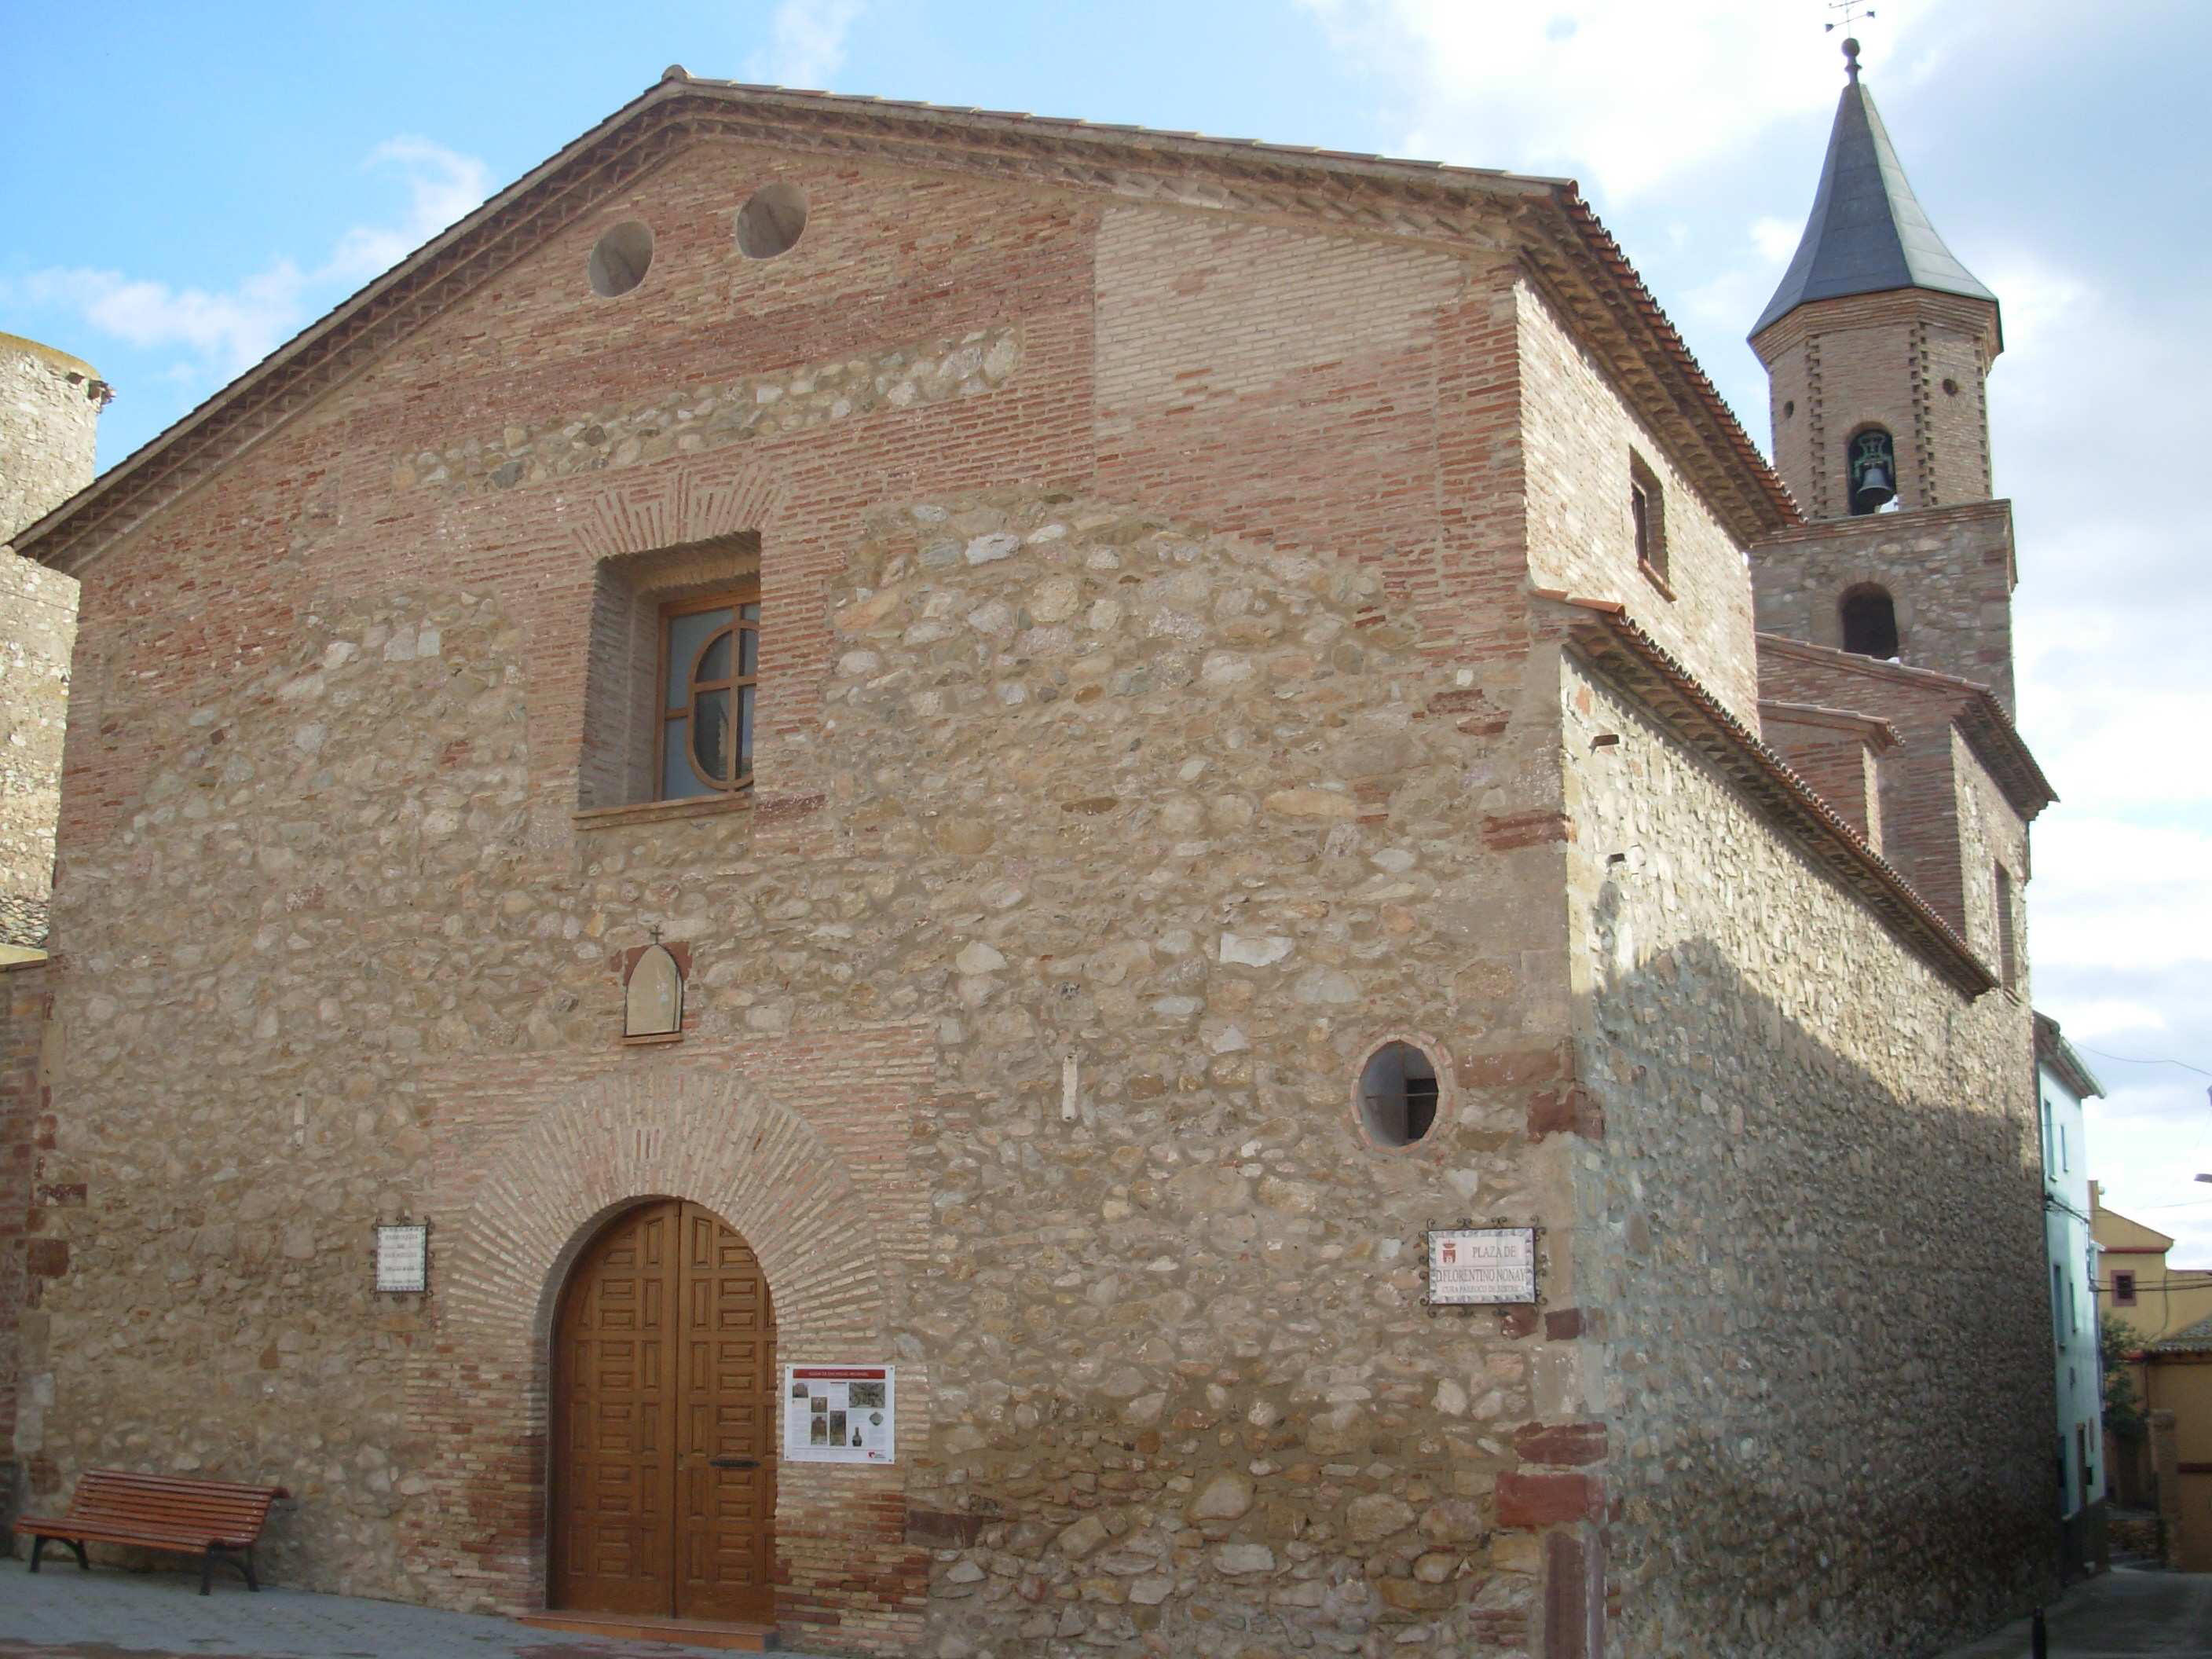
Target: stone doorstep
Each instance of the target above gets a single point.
(734, 1637)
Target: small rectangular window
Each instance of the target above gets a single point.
(709, 676)
(1647, 516)
(2123, 1290)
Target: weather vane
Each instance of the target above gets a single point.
(1852, 11)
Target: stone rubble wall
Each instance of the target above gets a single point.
(38, 631)
(1814, 1211)
(1948, 572)
(1196, 813)
(49, 405)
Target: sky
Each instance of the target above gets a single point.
(187, 186)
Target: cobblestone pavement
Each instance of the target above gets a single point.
(108, 1614)
(2123, 1614)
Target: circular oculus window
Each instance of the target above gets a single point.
(772, 221)
(620, 259)
(1398, 1092)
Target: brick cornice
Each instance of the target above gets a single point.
(1553, 230)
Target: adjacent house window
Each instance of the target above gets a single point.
(710, 664)
(1647, 514)
(2123, 1290)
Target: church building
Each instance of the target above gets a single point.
(971, 886)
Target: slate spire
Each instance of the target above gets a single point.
(1867, 234)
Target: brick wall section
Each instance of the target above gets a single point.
(1783, 1168)
(1581, 539)
(1949, 573)
(1946, 825)
(1836, 752)
(1882, 360)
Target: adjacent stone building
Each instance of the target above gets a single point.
(843, 736)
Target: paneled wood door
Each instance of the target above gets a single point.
(663, 1423)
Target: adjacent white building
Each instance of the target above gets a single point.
(2062, 1083)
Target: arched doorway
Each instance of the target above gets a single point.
(663, 1500)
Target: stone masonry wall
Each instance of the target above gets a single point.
(23, 1006)
(49, 405)
(1812, 1215)
(38, 630)
(1047, 772)
(1195, 814)
(1948, 572)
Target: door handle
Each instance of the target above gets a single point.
(734, 1462)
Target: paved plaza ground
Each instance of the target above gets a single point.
(2125, 1613)
(111, 1614)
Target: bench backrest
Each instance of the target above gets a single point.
(117, 1499)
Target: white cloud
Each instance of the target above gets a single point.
(806, 43)
(228, 330)
(1614, 92)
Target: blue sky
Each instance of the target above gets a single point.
(187, 186)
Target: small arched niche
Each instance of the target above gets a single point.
(1869, 619)
(653, 1000)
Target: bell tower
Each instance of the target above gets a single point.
(1877, 346)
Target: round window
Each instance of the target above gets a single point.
(620, 258)
(770, 223)
(1398, 1094)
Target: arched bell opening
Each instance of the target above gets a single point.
(1872, 470)
(661, 1465)
(1869, 621)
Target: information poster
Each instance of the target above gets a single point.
(839, 1413)
(1476, 1265)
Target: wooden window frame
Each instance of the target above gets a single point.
(734, 600)
(2123, 1288)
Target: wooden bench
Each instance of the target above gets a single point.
(215, 1520)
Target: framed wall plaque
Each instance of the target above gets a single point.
(403, 1257)
(1472, 1267)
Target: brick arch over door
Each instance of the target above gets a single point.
(478, 1386)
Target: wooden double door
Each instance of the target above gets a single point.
(663, 1498)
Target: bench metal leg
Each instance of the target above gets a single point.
(39, 1548)
(243, 1567)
